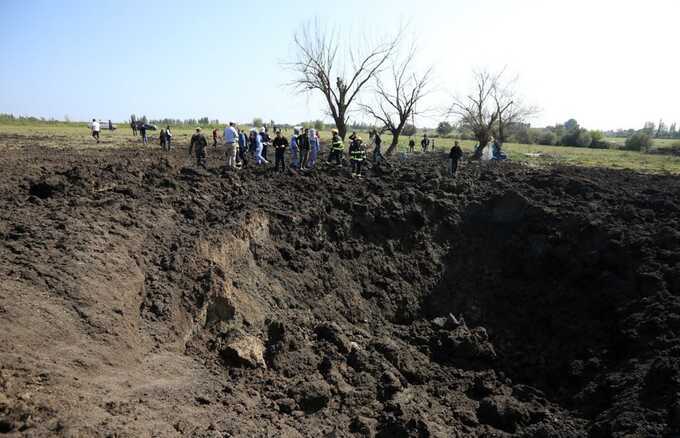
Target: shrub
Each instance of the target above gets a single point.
(578, 137)
(640, 141)
(547, 138)
(444, 128)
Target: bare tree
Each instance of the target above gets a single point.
(339, 72)
(396, 102)
(490, 108)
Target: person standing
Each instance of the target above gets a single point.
(303, 144)
(264, 137)
(280, 144)
(424, 143)
(357, 152)
(110, 125)
(256, 140)
(411, 144)
(230, 140)
(214, 136)
(243, 148)
(432, 146)
(200, 144)
(337, 147)
(133, 125)
(142, 133)
(455, 155)
(163, 140)
(294, 150)
(95, 127)
(377, 153)
(168, 137)
(313, 148)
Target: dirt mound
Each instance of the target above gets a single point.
(145, 298)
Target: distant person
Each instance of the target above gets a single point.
(377, 153)
(455, 154)
(280, 144)
(424, 143)
(357, 152)
(256, 140)
(110, 125)
(294, 149)
(411, 145)
(243, 148)
(230, 143)
(133, 125)
(337, 148)
(352, 137)
(214, 135)
(168, 137)
(142, 133)
(265, 141)
(95, 127)
(432, 146)
(200, 144)
(163, 140)
(314, 147)
(303, 144)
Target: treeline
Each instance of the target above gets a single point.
(11, 118)
(662, 130)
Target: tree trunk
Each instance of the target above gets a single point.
(395, 143)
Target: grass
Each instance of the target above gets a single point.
(77, 136)
(659, 143)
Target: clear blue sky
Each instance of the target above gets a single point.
(221, 59)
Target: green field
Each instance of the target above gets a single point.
(659, 143)
(77, 135)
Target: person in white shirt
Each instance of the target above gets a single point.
(96, 127)
(230, 139)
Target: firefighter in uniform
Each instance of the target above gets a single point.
(337, 148)
(357, 153)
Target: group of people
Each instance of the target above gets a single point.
(425, 143)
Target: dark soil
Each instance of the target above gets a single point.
(143, 297)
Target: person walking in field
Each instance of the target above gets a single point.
(230, 141)
(377, 153)
(200, 144)
(95, 127)
(294, 149)
(411, 145)
(280, 144)
(455, 155)
(424, 143)
(257, 141)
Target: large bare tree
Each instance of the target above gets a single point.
(397, 96)
(489, 108)
(336, 67)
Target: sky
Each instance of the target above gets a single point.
(607, 63)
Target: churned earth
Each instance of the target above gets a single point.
(142, 297)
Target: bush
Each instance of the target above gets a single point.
(547, 138)
(578, 137)
(444, 128)
(640, 141)
(257, 122)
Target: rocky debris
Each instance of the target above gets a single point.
(240, 349)
(503, 413)
(332, 333)
(311, 396)
(463, 345)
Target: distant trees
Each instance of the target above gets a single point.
(490, 108)
(409, 130)
(397, 95)
(337, 71)
(258, 122)
(444, 128)
(640, 141)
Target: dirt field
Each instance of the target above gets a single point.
(143, 298)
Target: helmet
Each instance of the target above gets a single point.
(253, 130)
(262, 129)
(334, 131)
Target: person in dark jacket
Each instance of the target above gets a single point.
(280, 144)
(199, 142)
(411, 145)
(215, 135)
(163, 139)
(337, 148)
(303, 144)
(266, 141)
(455, 155)
(142, 132)
(425, 142)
